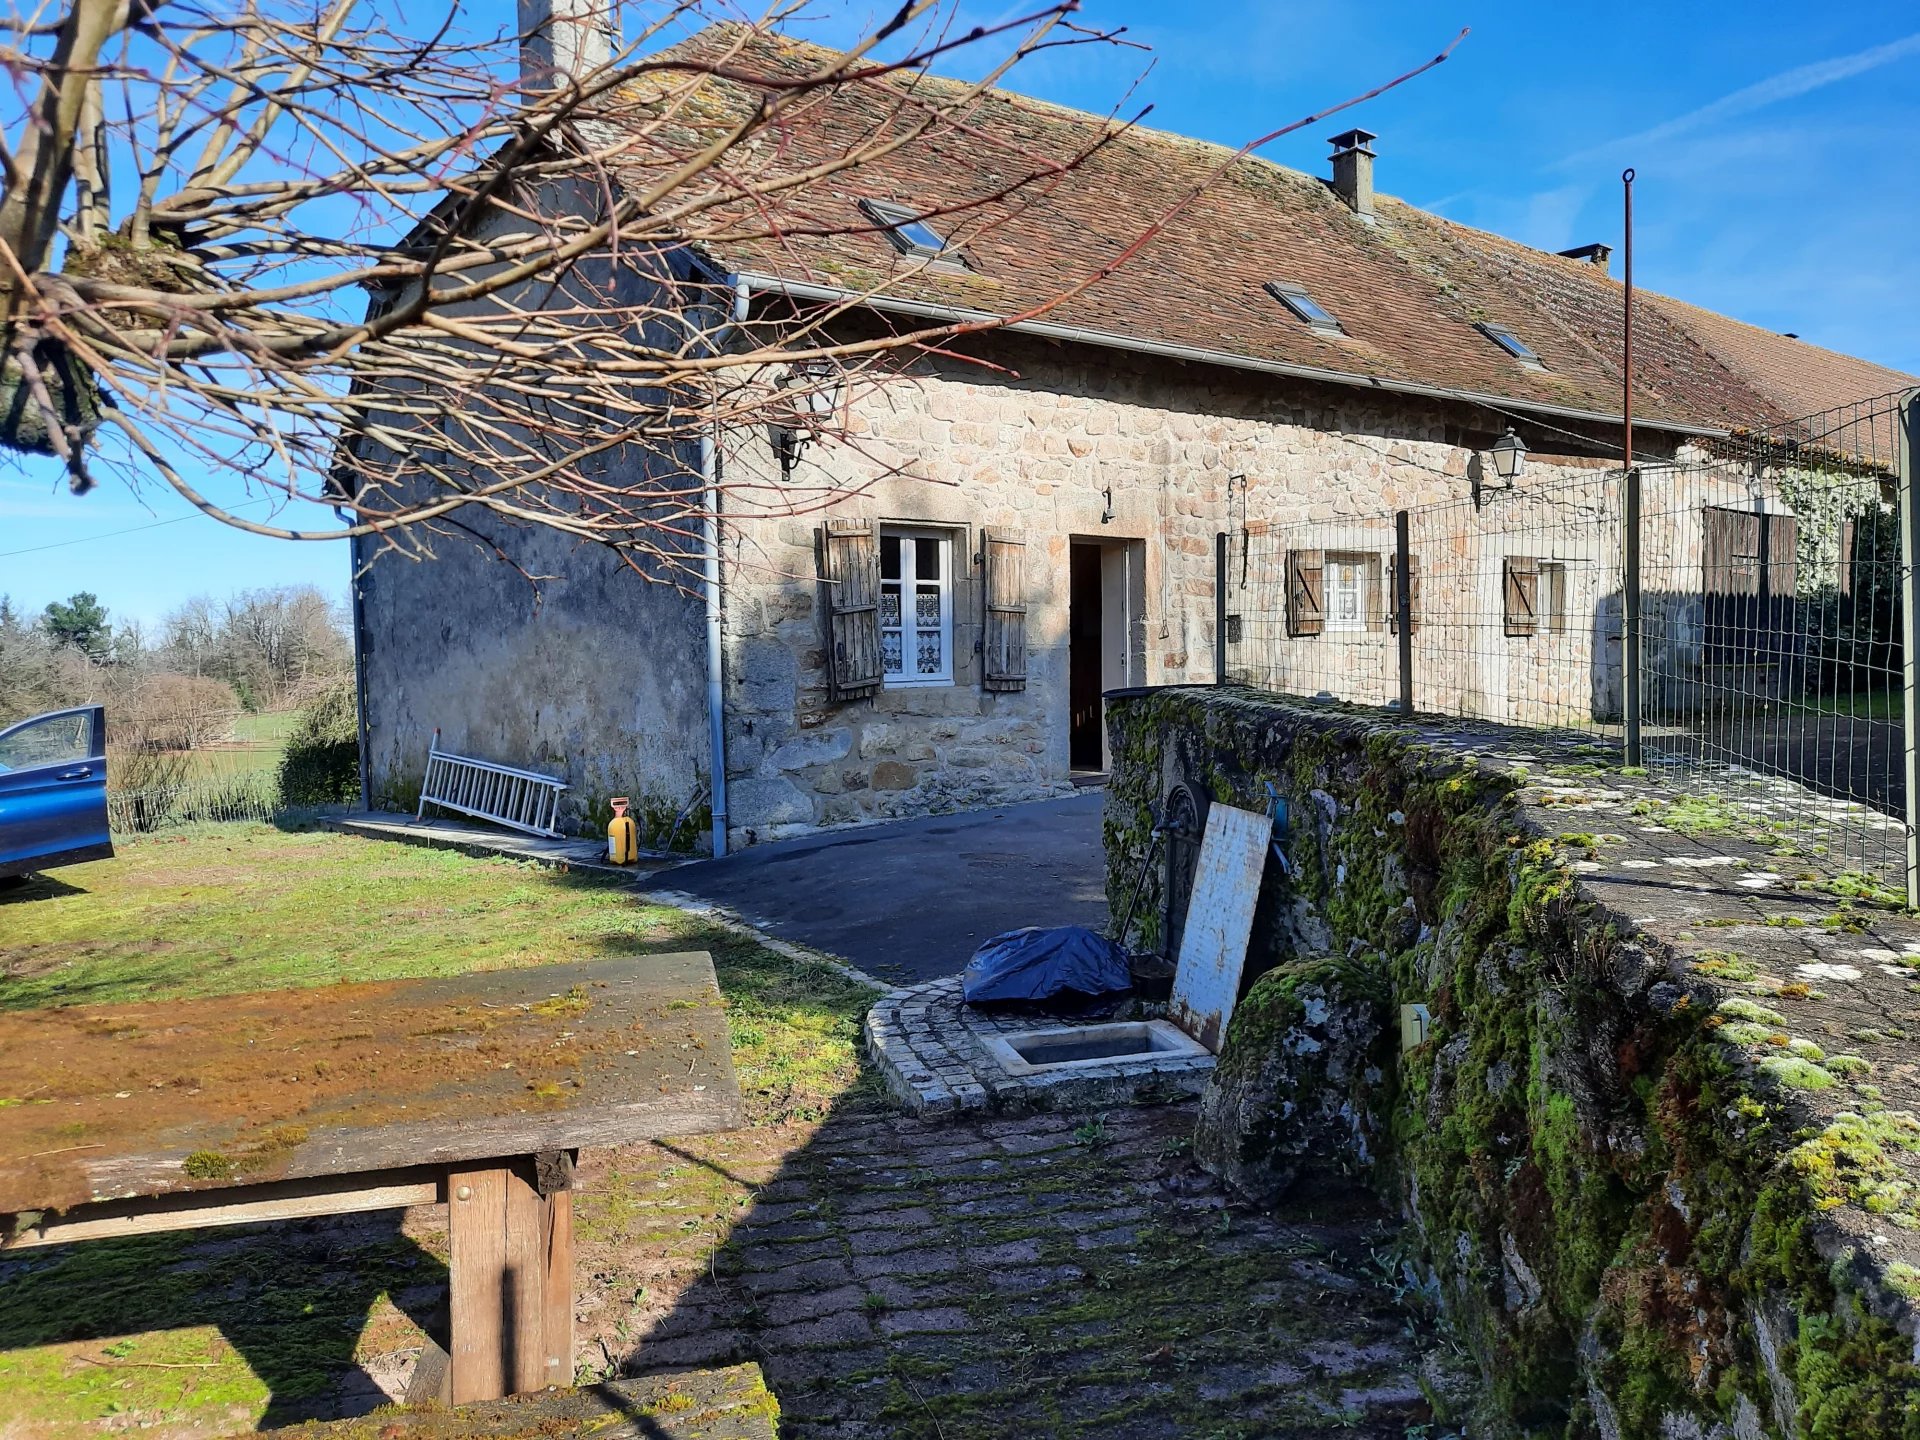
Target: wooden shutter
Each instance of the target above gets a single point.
(1413, 594)
(1306, 592)
(1003, 639)
(850, 580)
(1783, 560)
(1522, 595)
(1780, 585)
(1376, 597)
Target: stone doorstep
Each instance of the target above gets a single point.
(436, 833)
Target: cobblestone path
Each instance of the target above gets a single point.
(1041, 1276)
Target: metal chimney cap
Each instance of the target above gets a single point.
(1356, 139)
(1594, 254)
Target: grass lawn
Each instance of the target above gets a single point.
(213, 910)
(113, 1334)
(221, 764)
(268, 727)
(1883, 705)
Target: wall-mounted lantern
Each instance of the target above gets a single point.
(813, 390)
(1509, 457)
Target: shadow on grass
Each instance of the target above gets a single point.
(28, 888)
(292, 1299)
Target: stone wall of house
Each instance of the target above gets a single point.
(1059, 443)
(1563, 516)
(588, 673)
(536, 649)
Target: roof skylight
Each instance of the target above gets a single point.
(1511, 343)
(1305, 306)
(910, 234)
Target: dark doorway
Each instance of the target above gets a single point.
(1086, 738)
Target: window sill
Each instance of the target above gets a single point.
(930, 683)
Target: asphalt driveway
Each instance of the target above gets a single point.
(911, 900)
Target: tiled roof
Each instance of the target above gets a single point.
(1802, 378)
(1407, 290)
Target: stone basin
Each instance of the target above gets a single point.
(1068, 1047)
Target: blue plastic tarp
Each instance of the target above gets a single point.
(1039, 964)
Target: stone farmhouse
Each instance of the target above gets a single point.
(1029, 518)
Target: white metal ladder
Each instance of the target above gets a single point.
(518, 799)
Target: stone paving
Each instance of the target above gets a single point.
(1052, 1275)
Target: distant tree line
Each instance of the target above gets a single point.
(269, 649)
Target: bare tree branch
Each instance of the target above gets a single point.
(373, 260)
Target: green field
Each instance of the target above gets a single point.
(268, 728)
(218, 764)
(1884, 705)
(258, 745)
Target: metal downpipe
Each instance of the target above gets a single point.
(359, 602)
(716, 691)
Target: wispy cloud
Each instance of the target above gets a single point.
(1787, 85)
(24, 500)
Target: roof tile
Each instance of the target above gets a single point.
(1407, 289)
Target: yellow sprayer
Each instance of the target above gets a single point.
(623, 836)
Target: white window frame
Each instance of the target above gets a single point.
(1556, 581)
(1332, 561)
(910, 584)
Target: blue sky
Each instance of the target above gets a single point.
(1777, 145)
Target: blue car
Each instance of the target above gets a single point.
(53, 791)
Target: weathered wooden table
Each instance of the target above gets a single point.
(474, 1090)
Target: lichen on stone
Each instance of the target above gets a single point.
(1742, 1008)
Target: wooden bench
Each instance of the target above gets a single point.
(471, 1090)
(726, 1404)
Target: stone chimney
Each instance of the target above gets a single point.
(1353, 171)
(564, 40)
(1594, 254)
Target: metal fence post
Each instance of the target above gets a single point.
(1630, 616)
(1403, 603)
(1220, 608)
(1908, 443)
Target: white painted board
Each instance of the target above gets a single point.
(1213, 947)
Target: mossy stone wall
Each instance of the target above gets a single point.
(1602, 1189)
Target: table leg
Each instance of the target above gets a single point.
(510, 1282)
(557, 1321)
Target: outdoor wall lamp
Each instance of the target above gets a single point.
(1509, 456)
(813, 390)
(1106, 510)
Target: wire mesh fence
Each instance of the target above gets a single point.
(1731, 621)
(252, 796)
